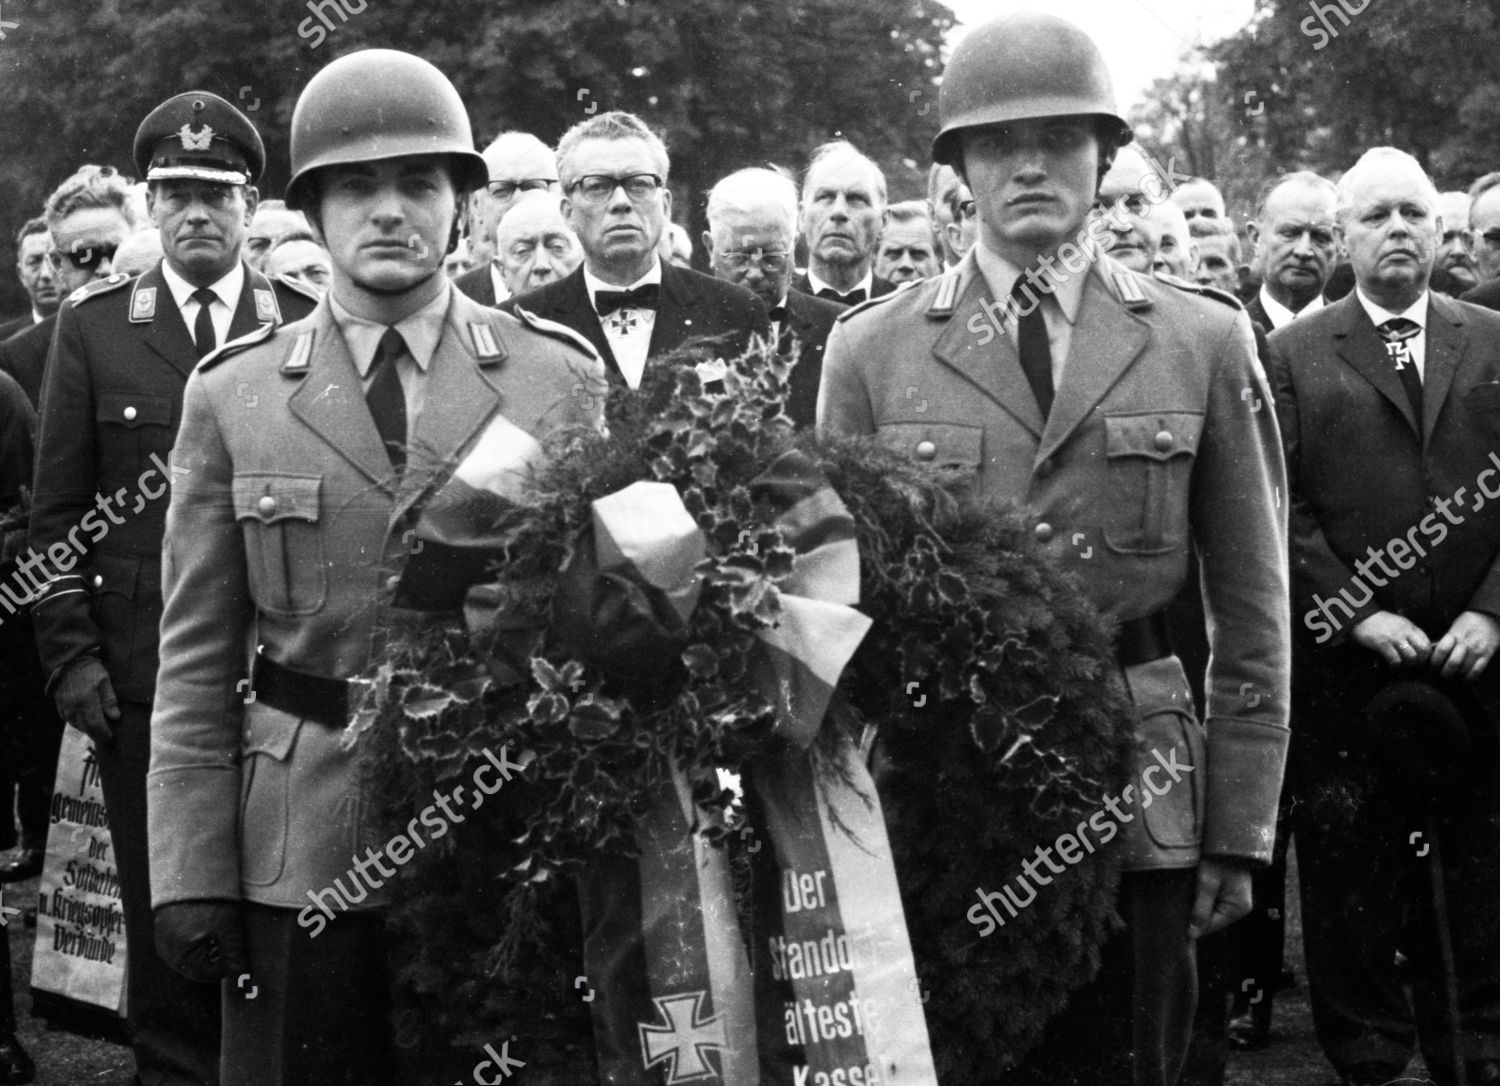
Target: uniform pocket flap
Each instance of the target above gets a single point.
(941, 444)
(269, 731)
(270, 497)
(133, 409)
(115, 573)
(1158, 435)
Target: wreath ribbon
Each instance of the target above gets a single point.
(662, 935)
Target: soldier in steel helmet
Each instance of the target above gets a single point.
(120, 357)
(304, 455)
(1126, 416)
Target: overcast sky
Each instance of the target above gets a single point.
(1142, 40)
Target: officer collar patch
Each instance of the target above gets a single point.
(199, 142)
(946, 297)
(265, 307)
(485, 345)
(143, 305)
(1129, 289)
(298, 357)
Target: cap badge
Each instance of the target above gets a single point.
(200, 142)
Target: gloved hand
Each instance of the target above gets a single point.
(86, 698)
(202, 940)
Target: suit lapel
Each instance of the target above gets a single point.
(331, 401)
(1446, 346)
(574, 309)
(974, 343)
(167, 334)
(459, 400)
(1360, 345)
(674, 312)
(1106, 340)
(251, 311)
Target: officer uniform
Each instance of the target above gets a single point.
(111, 406)
(1161, 425)
(288, 527)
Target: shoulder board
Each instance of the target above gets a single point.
(945, 298)
(98, 287)
(869, 302)
(297, 286)
(1208, 292)
(235, 346)
(555, 330)
(1129, 290)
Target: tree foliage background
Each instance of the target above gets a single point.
(1299, 90)
(729, 83)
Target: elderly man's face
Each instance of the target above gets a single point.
(36, 272)
(268, 224)
(516, 166)
(906, 253)
(754, 250)
(1176, 253)
(535, 246)
(1454, 254)
(1391, 229)
(1124, 201)
(1199, 200)
(1484, 232)
(842, 211)
(1216, 263)
(1296, 241)
(618, 230)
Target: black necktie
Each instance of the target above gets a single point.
(1031, 342)
(203, 326)
(1398, 334)
(387, 401)
(641, 297)
(854, 297)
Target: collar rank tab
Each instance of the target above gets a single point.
(486, 346)
(265, 306)
(945, 298)
(1129, 289)
(300, 356)
(143, 305)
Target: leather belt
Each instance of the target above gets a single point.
(1143, 639)
(312, 697)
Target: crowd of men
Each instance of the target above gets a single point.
(1279, 461)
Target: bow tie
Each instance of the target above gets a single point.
(778, 314)
(854, 297)
(641, 297)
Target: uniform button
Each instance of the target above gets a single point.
(129, 414)
(926, 450)
(1044, 469)
(1164, 440)
(98, 580)
(266, 506)
(1044, 532)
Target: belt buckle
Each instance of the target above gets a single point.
(360, 698)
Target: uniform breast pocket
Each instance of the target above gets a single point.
(946, 445)
(1150, 464)
(279, 515)
(132, 426)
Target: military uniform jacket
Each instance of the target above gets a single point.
(111, 402)
(1161, 424)
(287, 528)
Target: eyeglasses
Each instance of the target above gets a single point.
(504, 190)
(774, 261)
(1491, 238)
(967, 209)
(598, 187)
(83, 257)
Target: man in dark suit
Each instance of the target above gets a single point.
(112, 399)
(35, 271)
(843, 213)
(1484, 239)
(1295, 248)
(752, 226)
(1388, 405)
(518, 162)
(624, 299)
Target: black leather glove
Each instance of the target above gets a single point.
(202, 940)
(86, 698)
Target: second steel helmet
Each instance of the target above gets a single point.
(380, 103)
(1022, 68)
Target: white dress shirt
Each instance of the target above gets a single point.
(629, 329)
(1280, 315)
(1417, 345)
(220, 311)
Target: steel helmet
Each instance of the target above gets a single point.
(1024, 67)
(380, 103)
